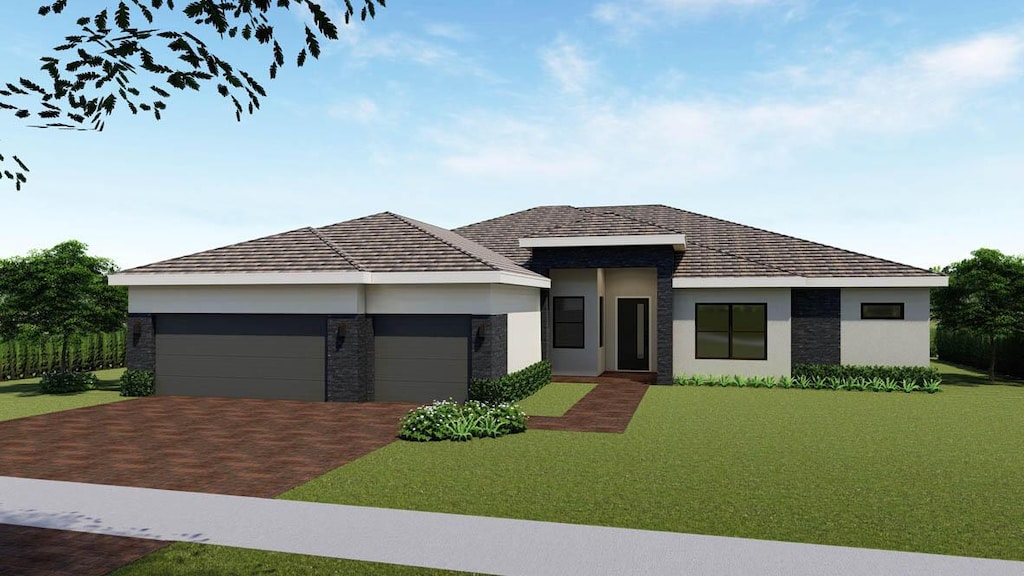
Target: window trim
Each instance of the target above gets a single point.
(696, 331)
(555, 323)
(902, 305)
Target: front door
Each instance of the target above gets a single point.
(634, 334)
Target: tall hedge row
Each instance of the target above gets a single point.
(512, 387)
(966, 347)
(24, 359)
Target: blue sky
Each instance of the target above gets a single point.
(893, 129)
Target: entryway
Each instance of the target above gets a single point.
(634, 334)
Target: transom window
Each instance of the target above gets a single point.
(732, 331)
(568, 322)
(881, 311)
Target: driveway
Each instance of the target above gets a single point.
(225, 446)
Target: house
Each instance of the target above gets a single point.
(388, 308)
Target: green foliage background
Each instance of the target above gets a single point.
(26, 359)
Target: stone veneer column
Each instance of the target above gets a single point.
(545, 323)
(140, 344)
(815, 332)
(349, 358)
(489, 345)
(664, 320)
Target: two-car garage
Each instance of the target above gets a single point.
(416, 358)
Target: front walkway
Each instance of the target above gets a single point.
(609, 407)
(445, 541)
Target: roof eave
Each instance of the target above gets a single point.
(322, 278)
(677, 241)
(812, 282)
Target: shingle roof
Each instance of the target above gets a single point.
(601, 222)
(714, 247)
(384, 242)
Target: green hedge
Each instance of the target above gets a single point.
(917, 374)
(67, 382)
(448, 420)
(820, 382)
(137, 383)
(971, 349)
(511, 387)
(25, 359)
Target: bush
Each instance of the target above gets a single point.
(67, 382)
(448, 420)
(916, 374)
(971, 349)
(511, 387)
(137, 383)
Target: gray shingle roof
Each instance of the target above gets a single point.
(601, 222)
(714, 247)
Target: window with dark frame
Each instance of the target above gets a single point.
(567, 322)
(732, 331)
(881, 311)
(600, 321)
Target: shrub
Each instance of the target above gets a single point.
(448, 420)
(67, 382)
(971, 348)
(137, 383)
(512, 387)
(916, 374)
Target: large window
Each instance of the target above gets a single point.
(732, 331)
(568, 322)
(881, 311)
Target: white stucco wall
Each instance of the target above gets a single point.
(684, 331)
(891, 342)
(629, 283)
(279, 299)
(523, 338)
(577, 361)
(451, 299)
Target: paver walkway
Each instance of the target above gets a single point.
(447, 541)
(219, 445)
(609, 407)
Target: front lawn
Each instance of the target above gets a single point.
(555, 399)
(21, 398)
(938, 473)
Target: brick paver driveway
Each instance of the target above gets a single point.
(226, 446)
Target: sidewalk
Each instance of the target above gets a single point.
(448, 541)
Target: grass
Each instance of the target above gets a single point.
(938, 473)
(555, 399)
(21, 398)
(959, 375)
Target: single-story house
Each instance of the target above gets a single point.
(387, 308)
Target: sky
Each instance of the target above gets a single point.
(895, 129)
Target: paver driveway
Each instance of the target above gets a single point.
(226, 446)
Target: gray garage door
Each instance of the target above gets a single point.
(421, 358)
(240, 355)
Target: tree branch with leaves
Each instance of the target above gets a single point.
(120, 57)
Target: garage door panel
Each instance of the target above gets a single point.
(241, 346)
(417, 391)
(391, 347)
(424, 369)
(254, 368)
(277, 389)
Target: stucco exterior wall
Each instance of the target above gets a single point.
(308, 299)
(684, 353)
(629, 283)
(578, 361)
(524, 338)
(450, 299)
(889, 342)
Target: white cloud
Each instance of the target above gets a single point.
(448, 31)
(627, 18)
(359, 110)
(565, 63)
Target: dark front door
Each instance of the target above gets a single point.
(634, 334)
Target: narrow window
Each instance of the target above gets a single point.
(881, 311)
(568, 322)
(732, 331)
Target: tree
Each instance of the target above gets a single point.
(985, 295)
(113, 62)
(61, 293)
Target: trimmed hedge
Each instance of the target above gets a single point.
(137, 383)
(26, 359)
(919, 375)
(67, 382)
(803, 382)
(971, 349)
(448, 420)
(511, 387)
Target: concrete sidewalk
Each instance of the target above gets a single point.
(449, 541)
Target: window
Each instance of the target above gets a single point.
(881, 311)
(568, 322)
(732, 331)
(600, 323)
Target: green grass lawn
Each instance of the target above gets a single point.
(21, 398)
(555, 398)
(939, 473)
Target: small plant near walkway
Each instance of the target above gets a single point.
(832, 377)
(67, 382)
(512, 387)
(137, 383)
(449, 420)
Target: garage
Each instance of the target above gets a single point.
(271, 356)
(421, 358)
